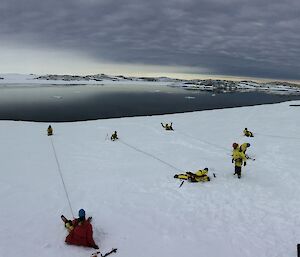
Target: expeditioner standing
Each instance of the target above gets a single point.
(239, 159)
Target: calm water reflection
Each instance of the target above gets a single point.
(87, 102)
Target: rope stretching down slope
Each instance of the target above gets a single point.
(156, 158)
(206, 142)
(151, 155)
(61, 176)
(284, 137)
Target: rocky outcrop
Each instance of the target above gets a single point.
(216, 86)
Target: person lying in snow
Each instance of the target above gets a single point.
(167, 126)
(199, 176)
(80, 231)
(247, 133)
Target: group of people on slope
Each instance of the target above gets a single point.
(80, 229)
(167, 126)
(113, 137)
(239, 158)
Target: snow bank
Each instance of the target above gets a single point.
(129, 189)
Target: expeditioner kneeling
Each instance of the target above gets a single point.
(50, 131)
(114, 136)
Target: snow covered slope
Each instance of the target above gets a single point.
(129, 189)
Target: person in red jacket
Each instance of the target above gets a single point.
(82, 232)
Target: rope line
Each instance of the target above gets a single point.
(151, 155)
(203, 141)
(285, 137)
(61, 176)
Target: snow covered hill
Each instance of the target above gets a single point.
(129, 189)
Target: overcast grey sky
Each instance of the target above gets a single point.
(259, 38)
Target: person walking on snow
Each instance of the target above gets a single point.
(81, 233)
(239, 159)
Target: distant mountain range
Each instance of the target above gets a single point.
(218, 86)
(213, 85)
(101, 77)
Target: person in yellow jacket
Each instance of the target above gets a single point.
(68, 223)
(114, 136)
(167, 126)
(198, 176)
(50, 131)
(239, 159)
(247, 133)
(235, 147)
(244, 147)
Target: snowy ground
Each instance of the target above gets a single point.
(129, 189)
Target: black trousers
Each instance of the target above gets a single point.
(238, 171)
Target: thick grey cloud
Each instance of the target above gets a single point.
(231, 37)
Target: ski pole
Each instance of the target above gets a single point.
(114, 250)
(181, 184)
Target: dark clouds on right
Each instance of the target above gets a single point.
(229, 37)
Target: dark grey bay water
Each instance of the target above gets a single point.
(87, 102)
